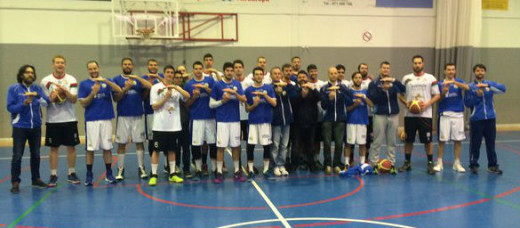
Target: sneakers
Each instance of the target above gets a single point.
(109, 178)
(187, 175)
(328, 170)
(458, 167)
(142, 173)
(89, 179)
(73, 179)
(15, 189)
(237, 176)
(251, 176)
(53, 181)
(406, 167)
(430, 168)
(205, 170)
(439, 167)
(153, 180)
(393, 171)
(268, 175)
(39, 184)
(474, 170)
(283, 171)
(197, 176)
(277, 172)
(175, 179)
(219, 178)
(120, 174)
(495, 170)
(337, 169)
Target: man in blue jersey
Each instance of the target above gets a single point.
(357, 120)
(202, 116)
(130, 125)
(282, 120)
(333, 98)
(479, 99)
(260, 102)
(153, 77)
(451, 116)
(23, 102)
(383, 92)
(226, 96)
(95, 96)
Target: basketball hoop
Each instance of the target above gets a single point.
(145, 32)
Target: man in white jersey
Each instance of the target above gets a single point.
(130, 124)
(422, 87)
(95, 95)
(164, 98)
(208, 68)
(261, 62)
(62, 125)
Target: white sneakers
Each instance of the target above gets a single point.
(280, 171)
(456, 166)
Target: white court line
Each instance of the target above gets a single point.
(318, 219)
(266, 199)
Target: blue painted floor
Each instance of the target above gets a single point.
(303, 199)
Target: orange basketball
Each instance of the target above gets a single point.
(384, 166)
(415, 107)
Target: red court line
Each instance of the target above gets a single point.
(114, 162)
(2, 225)
(9, 176)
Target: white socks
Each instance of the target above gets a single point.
(140, 157)
(121, 161)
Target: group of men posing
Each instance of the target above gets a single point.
(285, 107)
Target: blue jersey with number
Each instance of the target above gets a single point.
(132, 102)
(200, 109)
(358, 115)
(229, 111)
(453, 100)
(263, 113)
(100, 107)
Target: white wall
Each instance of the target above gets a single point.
(501, 29)
(277, 23)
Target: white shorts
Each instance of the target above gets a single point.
(356, 134)
(228, 134)
(148, 123)
(130, 129)
(203, 131)
(259, 134)
(451, 128)
(99, 135)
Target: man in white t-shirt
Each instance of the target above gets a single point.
(423, 87)
(62, 125)
(164, 98)
(261, 62)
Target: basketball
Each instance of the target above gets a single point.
(61, 96)
(415, 107)
(384, 166)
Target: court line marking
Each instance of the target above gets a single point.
(317, 219)
(34, 206)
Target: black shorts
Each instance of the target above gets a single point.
(58, 134)
(421, 124)
(165, 141)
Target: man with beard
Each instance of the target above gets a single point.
(95, 95)
(296, 64)
(130, 124)
(23, 102)
(383, 93)
(421, 87)
(260, 102)
(226, 96)
(153, 77)
(451, 116)
(483, 118)
(164, 98)
(62, 125)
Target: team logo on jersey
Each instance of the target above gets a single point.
(104, 85)
(134, 83)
